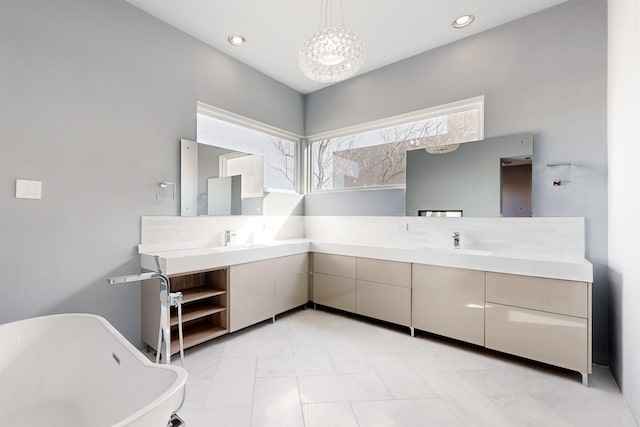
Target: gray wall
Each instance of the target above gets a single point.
(468, 179)
(538, 75)
(94, 98)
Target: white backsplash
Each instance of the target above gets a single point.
(556, 235)
(174, 232)
(559, 235)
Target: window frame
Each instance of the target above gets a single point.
(427, 113)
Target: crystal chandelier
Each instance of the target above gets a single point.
(332, 54)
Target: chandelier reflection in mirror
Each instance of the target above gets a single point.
(333, 53)
(441, 148)
(433, 147)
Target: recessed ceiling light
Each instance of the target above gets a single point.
(236, 39)
(463, 21)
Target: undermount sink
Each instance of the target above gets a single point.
(461, 251)
(239, 247)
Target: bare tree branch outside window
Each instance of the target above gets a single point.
(283, 159)
(378, 158)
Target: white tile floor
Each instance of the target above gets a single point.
(319, 369)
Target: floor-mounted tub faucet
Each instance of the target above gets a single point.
(456, 239)
(167, 300)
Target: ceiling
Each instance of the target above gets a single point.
(276, 29)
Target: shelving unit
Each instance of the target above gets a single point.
(205, 300)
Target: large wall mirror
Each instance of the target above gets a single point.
(236, 169)
(485, 178)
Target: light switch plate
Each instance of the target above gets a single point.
(26, 189)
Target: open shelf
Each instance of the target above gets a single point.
(195, 311)
(196, 334)
(205, 299)
(200, 292)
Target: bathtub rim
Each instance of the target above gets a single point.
(181, 373)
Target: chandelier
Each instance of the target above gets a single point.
(333, 53)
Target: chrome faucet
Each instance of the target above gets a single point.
(167, 300)
(227, 236)
(456, 239)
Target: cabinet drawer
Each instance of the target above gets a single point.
(382, 271)
(334, 291)
(384, 302)
(537, 293)
(550, 338)
(449, 302)
(336, 265)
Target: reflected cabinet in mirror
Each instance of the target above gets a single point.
(485, 178)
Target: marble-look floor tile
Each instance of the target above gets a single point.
(200, 363)
(276, 403)
(196, 392)
(453, 359)
(342, 388)
(334, 414)
(469, 405)
(347, 357)
(597, 405)
(257, 348)
(217, 417)
(400, 378)
(525, 411)
(294, 366)
(506, 382)
(309, 344)
(233, 383)
(405, 413)
(323, 369)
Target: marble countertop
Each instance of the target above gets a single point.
(495, 259)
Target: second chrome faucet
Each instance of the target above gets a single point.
(456, 239)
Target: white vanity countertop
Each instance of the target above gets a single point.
(187, 260)
(541, 264)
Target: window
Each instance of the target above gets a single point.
(247, 142)
(374, 155)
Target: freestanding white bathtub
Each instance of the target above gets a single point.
(78, 370)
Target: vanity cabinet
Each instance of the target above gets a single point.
(260, 290)
(449, 302)
(251, 294)
(548, 320)
(334, 281)
(383, 290)
(204, 308)
(292, 282)
(372, 287)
